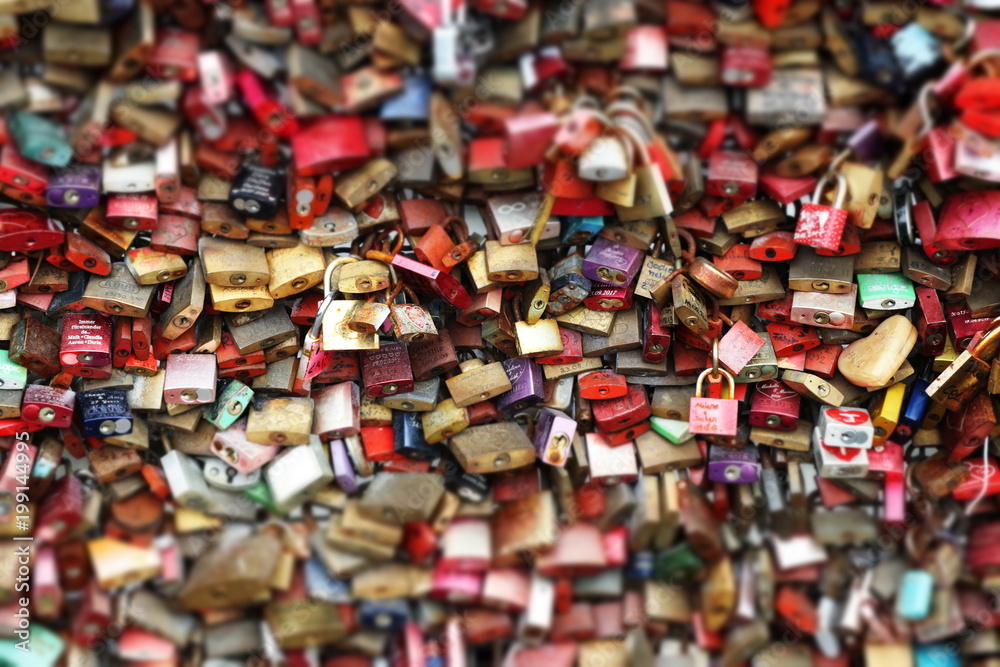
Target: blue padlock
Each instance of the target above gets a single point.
(916, 594)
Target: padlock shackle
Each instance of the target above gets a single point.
(638, 148)
(841, 190)
(707, 372)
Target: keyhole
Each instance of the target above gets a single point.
(231, 474)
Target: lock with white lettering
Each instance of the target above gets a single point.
(714, 416)
(819, 225)
(104, 412)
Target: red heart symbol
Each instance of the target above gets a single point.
(850, 417)
(843, 453)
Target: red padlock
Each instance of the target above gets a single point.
(821, 226)
(773, 247)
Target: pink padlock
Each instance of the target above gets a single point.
(713, 416)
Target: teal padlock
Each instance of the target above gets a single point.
(936, 655)
(885, 291)
(916, 595)
(230, 403)
(37, 647)
(12, 376)
(39, 139)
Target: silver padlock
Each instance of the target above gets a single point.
(296, 474)
(221, 475)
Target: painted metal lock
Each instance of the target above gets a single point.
(967, 221)
(837, 461)
(713, 416)
(554, 434)
(39, 139)
(526, 385)
(48, 406)
(12, 375)
(256, 191)
(410, 321)
(220, 475)
(229, 404)
(421, 398)
(846, 427)
(601, 385)
(618, 414)
(337, 411)
(774, 405)
(568, 287)
(76, 186)
(822, 226)
(745, 66)
(610, 262)
(408, 437)
(104, 412)
(733, 466)
(386, 371)
(190, 379)
(136, 211)
(232, 446)
(656, 335)
(885, 291)
(731, 174)
(86, 341)
(19, 174)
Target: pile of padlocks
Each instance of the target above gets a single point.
(526, 334)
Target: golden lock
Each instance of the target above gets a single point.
(477, 382)
(231, 264)
(294, 270)
(280, 421)
(150, 267)
(356, 187)
(363, 277)
(446, 420)
(489, 448)
(810, 272)
(754, 218)
(240, 299)
(864, 189)
(689, 308)
(511, 263)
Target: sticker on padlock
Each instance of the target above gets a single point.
(847, 427)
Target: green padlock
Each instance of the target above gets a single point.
(39, 139)
(674, 430)
(678, 565)
(229, 405)
(885, 291)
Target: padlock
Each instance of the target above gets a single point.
(846, 427)
(477, 382)
(86, 341)
(568, 286)
(837, 461)
(410, 321)
(713, 416)
(731, 174)
(611, 262)
(822, 226)
(386, 371)
(733, 466)
(886, 291)
(190, 378)
(526, 385)
(48, 406)
(104, 412)
(775, 406)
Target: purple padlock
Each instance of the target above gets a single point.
(76, 186)
(554, 433)
(343, 470)
(526, 382)
(733, 466)
(610, 262)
